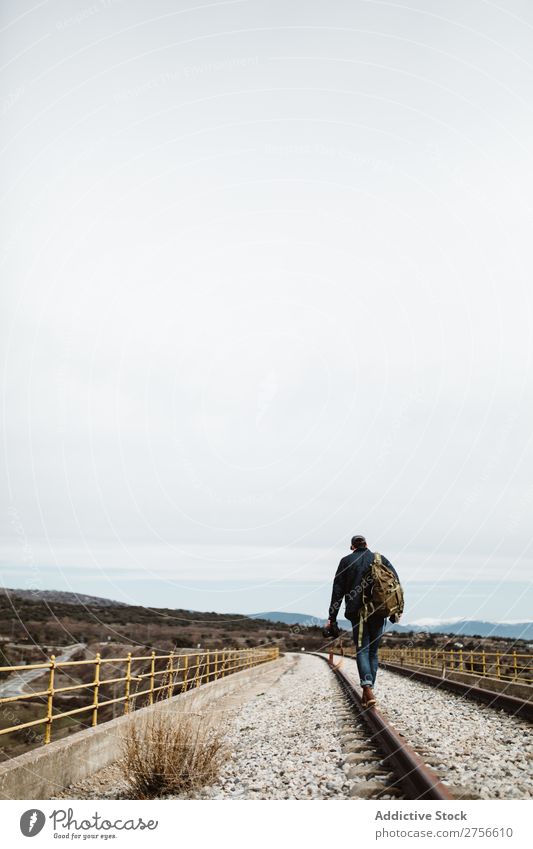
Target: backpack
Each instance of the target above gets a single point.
(384, 595)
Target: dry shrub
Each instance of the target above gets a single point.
(171, 753)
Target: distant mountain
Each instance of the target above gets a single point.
(468, 627)
(60, 597)
(305, 620)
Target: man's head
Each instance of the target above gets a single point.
(358, 542)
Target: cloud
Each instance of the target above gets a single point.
(265, 287)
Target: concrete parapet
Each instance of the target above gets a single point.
(47, 770)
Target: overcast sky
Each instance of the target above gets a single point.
(267, 283)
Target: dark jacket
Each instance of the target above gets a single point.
(349, 582)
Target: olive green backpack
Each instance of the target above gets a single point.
(385, 595)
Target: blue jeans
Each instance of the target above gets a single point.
(367, 652)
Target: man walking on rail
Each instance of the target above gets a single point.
(372, 589)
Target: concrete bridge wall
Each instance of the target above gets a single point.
(41, 773)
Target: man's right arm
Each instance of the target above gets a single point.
(338, 592)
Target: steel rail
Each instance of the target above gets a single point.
(500, 701)
(418, 781)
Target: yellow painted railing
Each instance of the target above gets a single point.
(164, 676)
(505, 666)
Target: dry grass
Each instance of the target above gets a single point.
(171, 753)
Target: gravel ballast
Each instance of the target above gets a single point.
(291, 735)
(286, 742)
(478, 751)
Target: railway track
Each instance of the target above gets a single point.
(300, 732)
(500, 701)
(381, 754)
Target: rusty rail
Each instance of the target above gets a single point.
(418, 781)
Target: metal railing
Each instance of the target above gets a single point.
(504, 666)
(177, 674)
